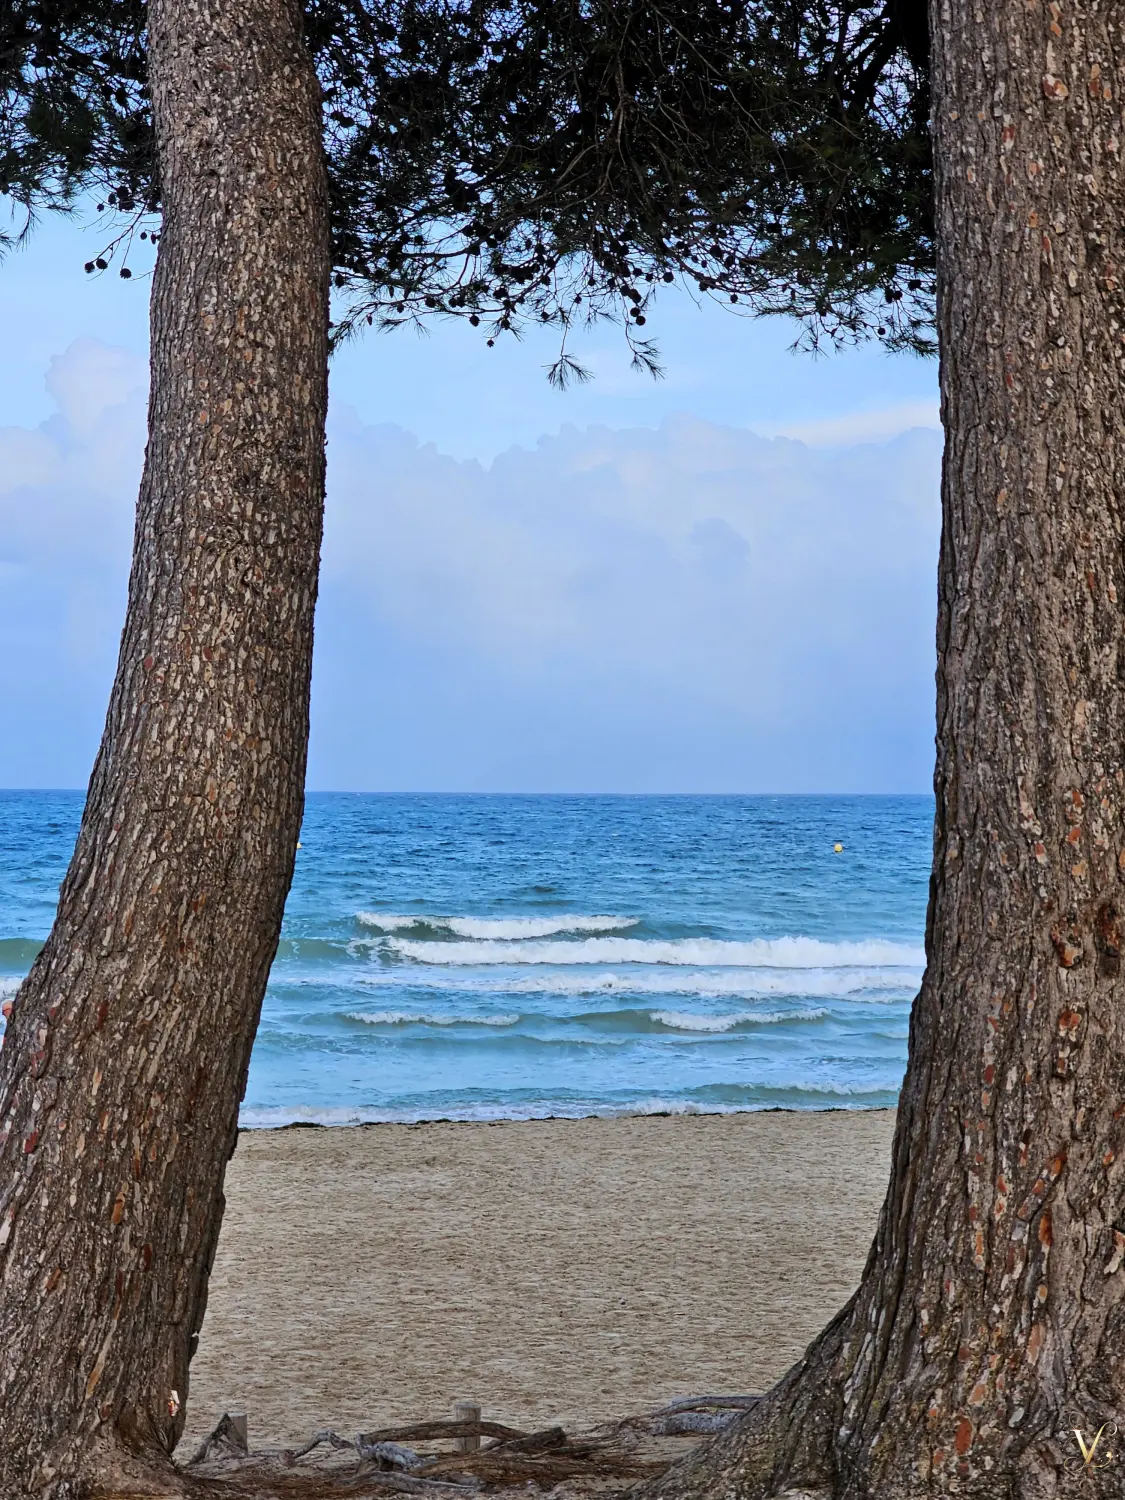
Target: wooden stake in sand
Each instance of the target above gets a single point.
(467, 1411)
(239, 1431)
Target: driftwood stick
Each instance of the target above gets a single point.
(389, 1455)
(546, 1469)
(691, 1403)
(408, 1485)
(422, 1432)
(325, 1435)
(533, 1442)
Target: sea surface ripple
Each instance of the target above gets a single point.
(492, 957)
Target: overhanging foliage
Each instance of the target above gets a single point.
(551, 161)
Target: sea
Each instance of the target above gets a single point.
(512, 957)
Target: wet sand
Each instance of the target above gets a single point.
(554, 1271)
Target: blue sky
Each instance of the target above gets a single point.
(723, 581)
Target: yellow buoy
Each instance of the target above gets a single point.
(837, 848)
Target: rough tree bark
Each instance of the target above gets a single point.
(126, 1055)
(990, 1317)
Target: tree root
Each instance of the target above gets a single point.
(781, 1444)
(121, 1475)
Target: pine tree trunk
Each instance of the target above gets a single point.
(990, 1320)
(126, 1054)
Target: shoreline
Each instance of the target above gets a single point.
(564, 1270)
(609, 1113)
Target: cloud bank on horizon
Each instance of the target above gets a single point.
(689, 607)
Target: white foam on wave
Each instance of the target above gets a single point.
(534, 927)
(548, 1109)
(406, 1018)
(675, 1020)
(512, 929)
(874, 985)
(769, 953)
(679, 1020)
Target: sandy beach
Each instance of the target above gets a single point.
(554, 1271)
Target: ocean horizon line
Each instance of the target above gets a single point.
(353, 792)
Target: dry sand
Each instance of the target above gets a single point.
(552, 1270)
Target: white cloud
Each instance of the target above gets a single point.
(875, 426)
(690, 606)
(66, 520)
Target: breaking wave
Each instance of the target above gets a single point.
(501, 928)
(629, 1022)
(406, 1018)
(745, 984)
(678, 1020)
(769, 953)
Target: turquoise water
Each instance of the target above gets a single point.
(502, 957)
